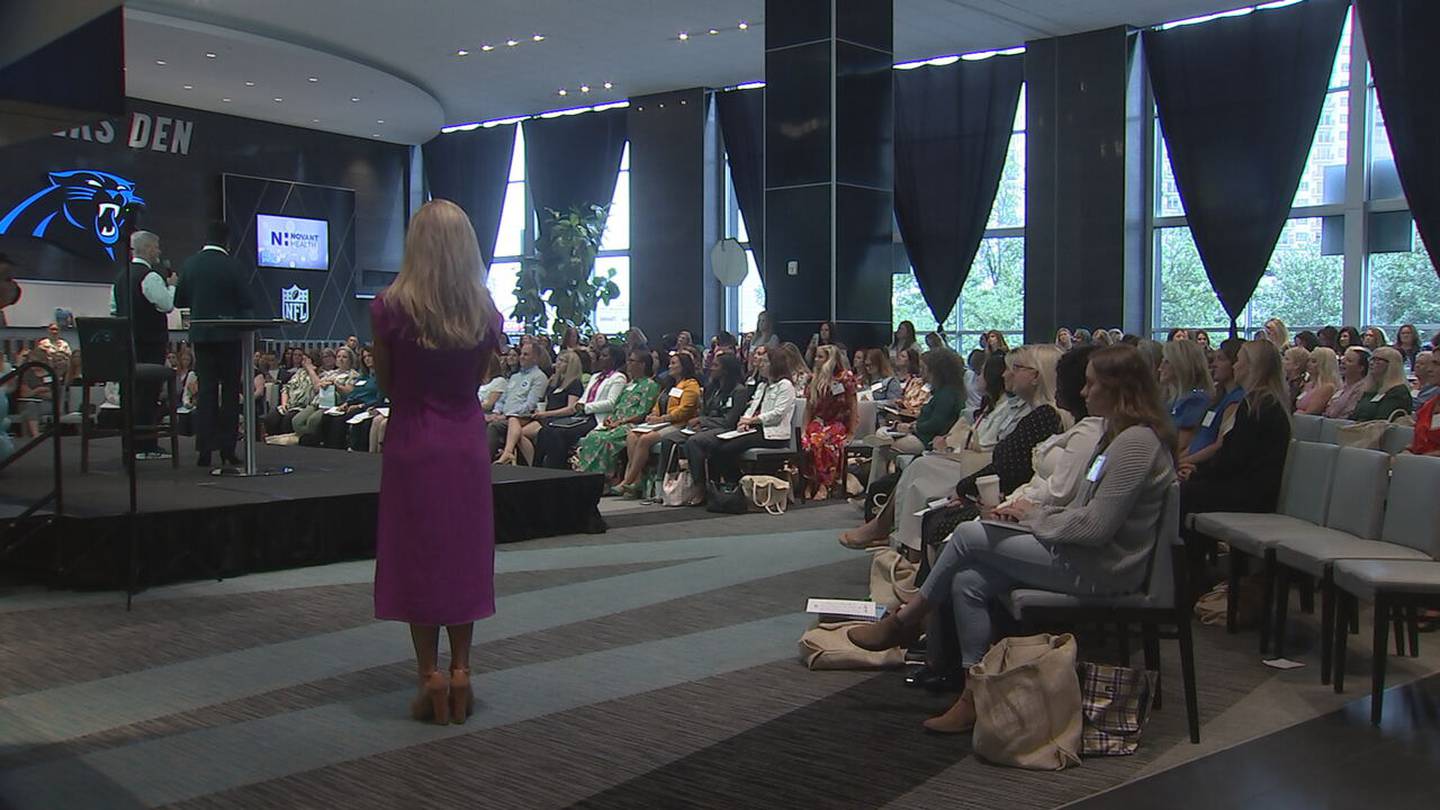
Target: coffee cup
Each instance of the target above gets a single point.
(989, 486)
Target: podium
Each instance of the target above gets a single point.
(247, 327)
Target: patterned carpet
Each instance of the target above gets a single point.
(654, 666)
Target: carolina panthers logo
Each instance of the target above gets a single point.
(78, 210)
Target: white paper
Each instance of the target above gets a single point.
(688, 432)
(734, 434)
(336, 411)
(931, 506)
(646, 428)
(1282, 663)
(860, 609)
(358, 418)
(385, 411)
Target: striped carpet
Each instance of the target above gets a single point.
(654, 666)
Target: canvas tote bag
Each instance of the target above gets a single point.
(1027, 703)
(827, 646)
(678, 488)
(767, 492)
(892, 578)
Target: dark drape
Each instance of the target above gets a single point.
(952, 131)
(1405, 59)
(573, 160)
(1239, 99)
(742, 126)
(470, 169)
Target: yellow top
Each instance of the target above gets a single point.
(683, 407)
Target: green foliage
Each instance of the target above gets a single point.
(561, 277)
(1404, 288)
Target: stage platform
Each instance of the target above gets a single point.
(193, 525)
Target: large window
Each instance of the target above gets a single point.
(516, 239)
(743, 304)
(994, 293)
(1348, 254)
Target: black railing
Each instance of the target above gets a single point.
(55, 498)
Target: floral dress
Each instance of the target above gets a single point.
(600, 449)
(827, 434)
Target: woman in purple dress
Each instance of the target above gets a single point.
(435, 331)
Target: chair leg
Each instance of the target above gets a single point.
(1232, 600)
(1307, 595)
(1377, 662)
(1151, 638)
(1267, 600)
(1342, 637)
(1397, 617)
(1412, 622)
(1122, 630)
(1282, 606)
(1327, 625)
(1187, 674)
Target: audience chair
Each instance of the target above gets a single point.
(1397, 439)
(1162, 609)
(1306, 427)
(1391, 585)
(108, 352)
(775, 458)
(1330, 430)
(1304, 501)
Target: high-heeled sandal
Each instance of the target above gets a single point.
(433, 701)
(462, 700)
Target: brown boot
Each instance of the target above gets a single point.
(902, 627)
(958, 719)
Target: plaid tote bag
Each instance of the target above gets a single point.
(1115, 702)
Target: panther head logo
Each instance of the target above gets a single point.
(80, 209)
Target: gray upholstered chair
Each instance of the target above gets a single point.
(1162, 609)
(1397, 439)
(1306, 427)
(1330, 430)
(1304, 497)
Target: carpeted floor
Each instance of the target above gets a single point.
(653, 666)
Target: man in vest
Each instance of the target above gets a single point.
(214, 285)
(146, 299)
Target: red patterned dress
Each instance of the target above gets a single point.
(828, 433)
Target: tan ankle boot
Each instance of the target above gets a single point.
(891, 631)
(958, 719)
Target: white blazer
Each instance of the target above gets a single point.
(774, 405)
(608, 394)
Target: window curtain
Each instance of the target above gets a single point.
(952, 132)
(573, 160)
(1239, 99)
(471, 169)
(742, 126)
(1405, 59)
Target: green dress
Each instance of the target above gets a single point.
(600, 449)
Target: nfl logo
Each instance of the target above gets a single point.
(295, 304)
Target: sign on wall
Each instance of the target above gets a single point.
(81, 210)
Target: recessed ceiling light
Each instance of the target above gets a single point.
(354, 99)
(249, 84)
(278, 99)
(584, 88)
(684, 36)
(209, 55)
(314, 120)
(462, 52)
(512, 42)
(562, 92)
(713, 31)
(743, 26)
(161, 62)
(374, 134)
(226, 100)
(380, 120)
(487, 47)
(609, 85)
(538, 37)
(313, 79)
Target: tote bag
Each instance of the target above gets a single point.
(1027, 703)
(827, 646)
(892, 578)
(678, 488)
(1116, 703)
(767, 492)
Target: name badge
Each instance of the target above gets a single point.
(362, 382)
(677, 392)
(1096, 469)
(837, 388)
(1435, 419)
(878, 387)
(1208, 420)
(1378, 397)
(927, 389)
(730, 403)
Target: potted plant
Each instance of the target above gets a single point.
(560, 275)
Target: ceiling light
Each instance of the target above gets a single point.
(380, 120)
(487, 47)
(584, 88)
(226, 100)
(562, 92)
(512, 42)
(314, 120)
(354, 99)
(313, 79)
(462, 52)
(684, 36)
(209, 55)
(713, 31)
(609, 85)
(189, 87)
(374, 134)
(161, 62)
(538, 38)
(249, 84)
(278, 99)
(743, 26)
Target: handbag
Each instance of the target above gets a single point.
(678, 488)
(1115, 702)
(726, 499)
(1027, 703)
(767, 492)
(892, 578)
(827, 646)
(1365, 435)
(567, 422)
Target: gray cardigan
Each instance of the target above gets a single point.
(1107, 534)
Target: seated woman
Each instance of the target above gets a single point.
(1210, 436)
(494, 386)
(914, 391)
(945, 375)
(365, 395)
(1354, 377)
(600, 449)
(799, 369)
(1386, 393)
(672, 412)
(1186, 385)
(726, 399)
(768, 421)
(331, 387)
(557, 439)
(1295, 365)
(1322, 381)
(884, 385)
(295, 396)
(1000, 411)
(562, 391)
(831, 417)
(1099, 543)
(1427, 427)
(1030, 376)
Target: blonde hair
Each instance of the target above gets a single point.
(1189, 368)
(441, 286)
(571, 373)
(1394, 369)
(1298, 354)
(1264, 378)
(828, 366)
(1043, 359)
(1327, 367)
(1281, 337)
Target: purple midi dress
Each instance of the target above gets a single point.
(435, 538)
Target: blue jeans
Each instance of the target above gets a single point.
(980, 563)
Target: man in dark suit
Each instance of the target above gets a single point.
(145, 295)
(214, 285)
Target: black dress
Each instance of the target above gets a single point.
(1244, 474)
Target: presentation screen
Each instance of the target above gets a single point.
(292, 242)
